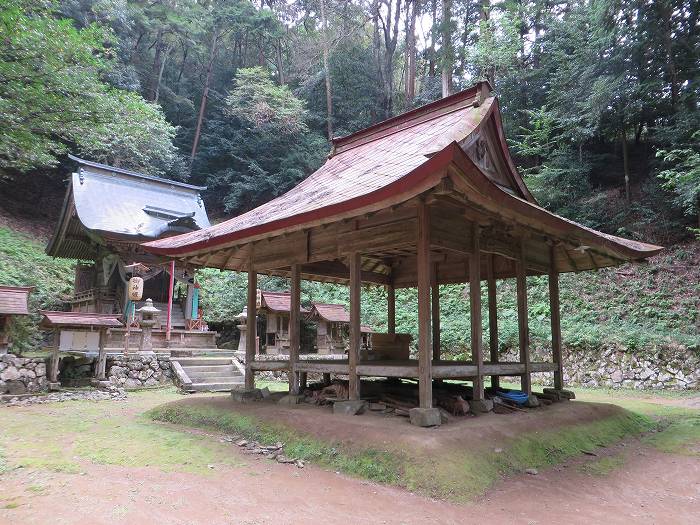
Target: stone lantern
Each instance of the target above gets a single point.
(242, 320)
(148, 312)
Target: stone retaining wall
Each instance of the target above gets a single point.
(671, 367)
(22, 375)
(139, 371)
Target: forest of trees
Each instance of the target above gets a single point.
(600, 97)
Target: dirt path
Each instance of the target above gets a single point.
(651, 486)
(648, 486)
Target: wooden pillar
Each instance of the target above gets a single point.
(493, 315)
(425, 369)
(251, 322)
(171, 286)
(326, 379)
(53, 370)
(556, 320)
(523, 329)
(435, 297)
(303, 380)
(475, 311)
(391, 309)
(101, 368)
(355, 335)
(294, 328)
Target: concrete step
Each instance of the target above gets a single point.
(223, 386)
(208, 369)
(202, 361)
(211, 377)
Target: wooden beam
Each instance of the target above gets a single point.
(294, 327)
(355, 334)
(493, 316)
(475, 311)
(435, 297)
(391, 309)
(251, 322)
(523, 329)
(556, 321)
(425, 376)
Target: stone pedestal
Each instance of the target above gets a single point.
(425, 417)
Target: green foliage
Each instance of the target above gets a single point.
(683, 175)
(24, 263)
(264, 106)
(53, 97)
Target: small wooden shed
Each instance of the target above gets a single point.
(333, 328)
(13, 301)
(275, 306)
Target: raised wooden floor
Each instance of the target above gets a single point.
(405, 368)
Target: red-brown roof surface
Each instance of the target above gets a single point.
(52, 319)
(13, 300)
(395, 158)
(279, 301)
(334, 313)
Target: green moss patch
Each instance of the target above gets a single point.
(458, 474)
(369, 463)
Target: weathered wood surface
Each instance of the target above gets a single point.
(355, 333)
(475, 311)
(252, 333)
(425, 378)
(294, 327)
(556, 322)
(523, 328)
(493, 316)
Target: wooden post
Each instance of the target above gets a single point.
(425, 369)
(303, 378)
(326, 379)
(294, 328)
(390, 309)
(523, 329)
(475, 310)
(355, 335)
(101, 368)
(556, 320)
(493, 316)
(171, 285)
(53, 371)
(435, 297)
(251, 321)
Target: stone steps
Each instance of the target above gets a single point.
(208, 374)
(224, 386)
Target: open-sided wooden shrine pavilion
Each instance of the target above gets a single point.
(426, 198)
(107, 213)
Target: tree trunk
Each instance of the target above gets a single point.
(447, 51)
(160, 73)
(410, 89)
(327, 72)
(431, 53)
(490, 71)
(668, 48)
(205, 95)
(280, 70)
(625, 164)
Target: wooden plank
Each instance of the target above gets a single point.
(270, 366)
(435, 298)
(338, 367)
(391, 309)
(475, 311)
(251, 324)
(523, 328)
(294, 326)
(457, 371)
(389, 236)
(397, 370)
(425, 378)
(355, 334)
(555, 321)
(493, 315)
